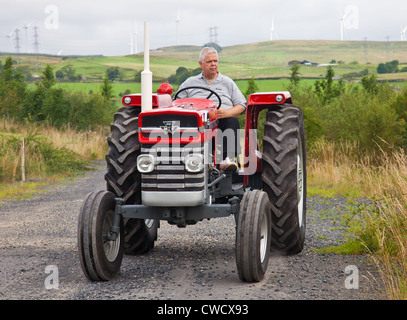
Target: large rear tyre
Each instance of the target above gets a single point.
(284, 177)
(100, 257)
(253, 234)
(123, 178)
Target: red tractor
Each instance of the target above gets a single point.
(162, 165)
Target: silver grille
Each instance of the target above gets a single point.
(169, 172)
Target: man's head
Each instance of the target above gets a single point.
(208, 60)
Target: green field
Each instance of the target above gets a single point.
(261, 60)
(263, 85)
(120, 88)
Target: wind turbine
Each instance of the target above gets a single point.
(133, 39)
(272, 29)
(17, 39)
(131, 44)
(273, 33)
(135, 35)
(10, 41)
(403, 33)
(342, 23)
(177, 22)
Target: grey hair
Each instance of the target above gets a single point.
(205, 51)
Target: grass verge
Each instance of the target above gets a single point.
(50, 155)
(380, 226)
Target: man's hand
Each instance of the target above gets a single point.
(233, 112)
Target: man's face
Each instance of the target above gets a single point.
(210, 66)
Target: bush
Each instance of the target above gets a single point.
(400, 106)
(182, 74)
(327, 89)
(46, 104)
(372, 116)
(309, 103)
(251, 87)
(388, 67)
(370, 84)
(359, 116)
(295, 75)
(12, 89)
(90, 111)
(58, 107)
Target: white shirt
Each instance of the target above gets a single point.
(224, 86)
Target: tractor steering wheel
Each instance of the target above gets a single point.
(203, 88)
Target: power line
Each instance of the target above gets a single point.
(36, 45)
(17, 40)
(213, 35)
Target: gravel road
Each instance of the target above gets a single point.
(39, 258)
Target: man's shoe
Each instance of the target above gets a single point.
(227, 165)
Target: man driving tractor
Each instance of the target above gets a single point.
(233, 101)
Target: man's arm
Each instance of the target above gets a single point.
(232, 112)
(238, 100)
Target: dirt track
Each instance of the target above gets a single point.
(38, 243)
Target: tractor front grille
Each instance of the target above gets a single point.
(169, 125)
(157, 120)
(169, 172)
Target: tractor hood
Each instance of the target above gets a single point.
(183, 120)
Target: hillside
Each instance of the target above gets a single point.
(270, 59)
(260, 60)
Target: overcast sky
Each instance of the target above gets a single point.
(106, 26)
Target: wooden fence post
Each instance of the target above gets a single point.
(22, 160)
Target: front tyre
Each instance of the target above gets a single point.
(100, 257)
(253, 235)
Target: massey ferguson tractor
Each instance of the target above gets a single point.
(163, 164)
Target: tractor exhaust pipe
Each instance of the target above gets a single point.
(146, 75)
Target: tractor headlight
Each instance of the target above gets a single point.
(279, 97)
(145, 163)
(194, 162)
(127, 100)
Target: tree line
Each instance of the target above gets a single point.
(371, 114)
(390, 67)
(46, 102)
